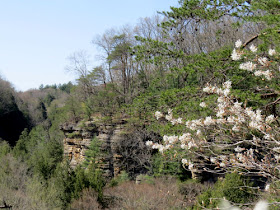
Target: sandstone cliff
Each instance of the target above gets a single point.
(78, 137)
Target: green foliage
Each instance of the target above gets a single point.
(93, 152)
(122, 177)
(167, 73)
(94, 174)
(96, 180)
(169, 164)
(233, 187)
(49, 98)
(4, 148)
(80, 181)
(74, 108)
(146, 179)
(66, 87)
(7, 97)
(273, 195)
(39, 151)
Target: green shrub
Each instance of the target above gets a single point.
(191, 189)
(170, 164)
(122, 177)
(272, 195)
(4, 148)
(148, 179)
(234, 187)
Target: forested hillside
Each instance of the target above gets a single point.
(195, 91)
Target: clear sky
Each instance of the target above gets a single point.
(37, 36)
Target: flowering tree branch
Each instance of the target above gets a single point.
(238, 137)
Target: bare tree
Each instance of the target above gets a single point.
(80, 65)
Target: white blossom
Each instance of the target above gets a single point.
(227, 84)
(258, 115)
(185, 137)
(207, 89)
(258, 73)
(221, 121)
(223, 157)
(149, 143)
(269, 119)
(221, 99)
(168, 117)
(170, 139)
(167, 147)
(203, 104)
(267, 136)
(179, 120)
(191, 166)
(249, 66)
(213, 159)
(191, 144)
(209, 121)
(173, 121)
(263, 61)
(198, 132)
(158, 115)
(220, 113)
(267, 187)
(176, 121)
(238, 149)
(253, 48)
(170, 111)
(231, 119)
(271, 52)
(183, 146)
(165, 138)
(185, 161)
(268, 74)
(226, 92)
(238, 43)
(235, 55)
(156, 146)
(161, 148)
(236, 128)
(222, 164)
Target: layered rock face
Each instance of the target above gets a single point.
(79, 136)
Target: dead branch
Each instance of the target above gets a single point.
(254, 37)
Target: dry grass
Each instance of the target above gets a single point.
(162, 194)
(87, 201)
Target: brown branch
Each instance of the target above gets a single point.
(269, 95)
(255, 37)
(274, 102)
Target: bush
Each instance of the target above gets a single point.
(145, 179)
(122, 177)
(191, 189)
(163, 194)
(233, 187)
(4, 148)
(88, 200)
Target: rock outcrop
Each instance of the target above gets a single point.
(78, 137)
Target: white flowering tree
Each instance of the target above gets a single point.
(237, 138)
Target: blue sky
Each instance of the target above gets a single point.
(37, 36)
